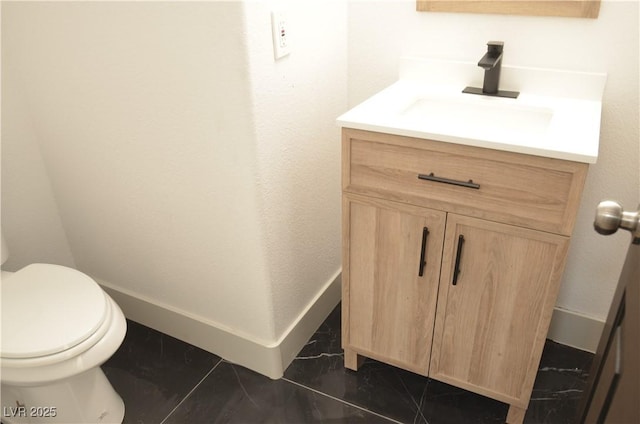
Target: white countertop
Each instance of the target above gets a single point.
(556, 115)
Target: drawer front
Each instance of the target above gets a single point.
(524, 190)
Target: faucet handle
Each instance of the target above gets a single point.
(495, 46)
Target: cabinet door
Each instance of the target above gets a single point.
(491, 325)
(389, 298)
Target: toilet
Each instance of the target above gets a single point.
(58, 327)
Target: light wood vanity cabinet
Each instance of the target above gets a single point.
(452, 259)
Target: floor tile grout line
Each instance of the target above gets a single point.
(340, 400)
(191, 391)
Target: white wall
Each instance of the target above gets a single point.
(380, 32)
(148, 143)
(32, 225)
(190, 171)
(296, 100)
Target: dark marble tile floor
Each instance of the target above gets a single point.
(163, 380)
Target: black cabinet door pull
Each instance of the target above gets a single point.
(431, 177)
(425, 234)
(456, 270)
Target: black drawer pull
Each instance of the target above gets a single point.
(425, 234)
(456, 270)
(431, 177)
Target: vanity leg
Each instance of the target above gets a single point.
(515, 415)
(352, 360)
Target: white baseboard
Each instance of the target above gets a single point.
(268, 359)
(567, 327)
(575, 330)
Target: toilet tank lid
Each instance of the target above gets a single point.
(47, 309)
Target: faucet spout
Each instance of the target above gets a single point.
(490, 60)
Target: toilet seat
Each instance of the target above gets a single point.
(50, 313)
(91, 353)
(63, 355)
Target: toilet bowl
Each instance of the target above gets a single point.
(58, 327)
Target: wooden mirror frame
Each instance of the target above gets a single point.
(565, 8)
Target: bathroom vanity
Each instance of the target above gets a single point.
(455, 234)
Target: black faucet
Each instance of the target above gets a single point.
(491, 62)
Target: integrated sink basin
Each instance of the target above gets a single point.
(557, 113)
(469, 114)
